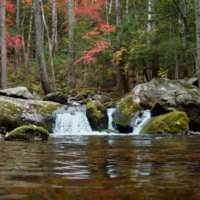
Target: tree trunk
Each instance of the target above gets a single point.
(197, 10)
(17, 33)
(50, 47)
(71, 47)
(122, 82)
(54, 24)
(4, 82)
(40, 49)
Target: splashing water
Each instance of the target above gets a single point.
(141, 122)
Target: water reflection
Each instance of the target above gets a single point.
(101, 167)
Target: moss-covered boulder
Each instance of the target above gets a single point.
(18, 112)
(174, 122)
(124, 113)
(109, 104)
(97, 115)
(28, 133)
(58, 97)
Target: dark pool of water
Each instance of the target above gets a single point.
(101, 167)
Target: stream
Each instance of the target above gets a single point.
(101, 167)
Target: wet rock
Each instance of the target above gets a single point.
(186, 100)
(109, 104)
(18, 92)
(124, 114)
(58, 97)
(102, 98)
(97, 115)
(174, 122)
(28, 133)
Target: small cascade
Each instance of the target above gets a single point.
(110, 111)
(141, 121)
(73, 120)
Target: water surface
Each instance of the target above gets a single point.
(101, 167)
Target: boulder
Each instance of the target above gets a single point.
(174, 122)
(147, 94)
(18, 92)
(28, 133)
(184, 99)
(18, 112)
(58, 97)
(97, 115)
(124, 114)
(109, 105)
(102, 98)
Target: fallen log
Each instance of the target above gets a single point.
(193, 133)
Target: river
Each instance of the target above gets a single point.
(101, 167)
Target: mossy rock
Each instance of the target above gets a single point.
(174, 122)
(88, 90)
(97, 115)
(109, 105)
(124, 113)
(28, 133)
(58, 97)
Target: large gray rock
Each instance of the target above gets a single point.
(102, 98)
(182, 99)
(147, 94)
(18, 112)
(19, 92)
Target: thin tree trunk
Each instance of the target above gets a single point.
(71, 46)
(54, 24)
(4, 82)
(40, 49)
(197, 10)
(17, 33)
(110, 7)
(50, 46)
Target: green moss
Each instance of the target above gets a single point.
(28, 133)
(109, 105)
(126, 110)
(88, 90)
(45, 108)
(174, 122)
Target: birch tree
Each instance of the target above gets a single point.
(17, 33)
(4, 82)
(71, 47)
(40, 49)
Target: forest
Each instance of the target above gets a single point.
(103, 44)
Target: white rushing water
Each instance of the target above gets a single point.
(74, 121)
(141, 122)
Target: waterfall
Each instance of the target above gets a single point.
(110, 111)
(73, 120)
(141, 121)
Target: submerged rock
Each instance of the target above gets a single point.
(124, 113)
(28, 133)
(174, 122)
(97, 115)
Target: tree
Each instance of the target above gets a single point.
(122, 82)
(197, 9)
(40, 49)
(4, 82)
(71, 47)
